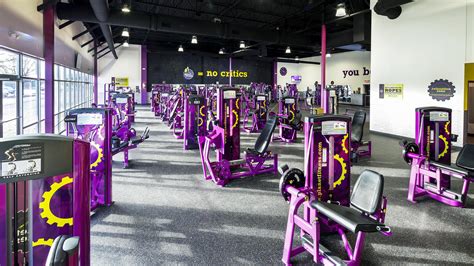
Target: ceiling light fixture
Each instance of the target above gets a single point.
(221, 51)
(125, 43)
(242, 45)
(180, 48)
(297, 58)
(125, 32)
(126, 8)
(341, 10)
(288, 50)
(194, 39)
(328, 55)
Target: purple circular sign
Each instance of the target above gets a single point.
(283, 71)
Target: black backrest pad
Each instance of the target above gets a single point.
(466, 157)
(358, 126)
(263, 140)
(367, 192)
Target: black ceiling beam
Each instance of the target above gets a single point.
(100, 8)
(109, 51)
(297, 61)
(172, 24)
(100, 51)
(86, 31)
(86, 43)
(65, 24)
(234, 4)
(102, 42)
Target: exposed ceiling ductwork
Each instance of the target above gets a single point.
(100, 8)
(390, 8)
(179, 25)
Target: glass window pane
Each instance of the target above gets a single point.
(61, 102)
(29, 67)
(42, 110)
(30, 102)
(8, 62)
(67, 96)
(61, 72)
(56, 97)
(9, 108)
(42, 66)
(31, 129)
(56, 72)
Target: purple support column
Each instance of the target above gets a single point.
(275, 74)
(324, 92)
(230, 71)
(48, 54)
(144, 92)
(96, 76)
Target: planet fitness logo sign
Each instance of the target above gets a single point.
(441, 90)
(283, 71)
(188, 73)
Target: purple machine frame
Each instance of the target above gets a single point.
(195, 120)
(259, 114)
(44, 195)
(225, 138)
(430, 159)
(326, 179)
(94, 125)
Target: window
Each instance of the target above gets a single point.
(29, 67)
(8, 62)
(30, 106)
(9, 108)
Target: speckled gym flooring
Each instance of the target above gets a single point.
(166, 213)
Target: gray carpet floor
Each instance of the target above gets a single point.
(165, 213)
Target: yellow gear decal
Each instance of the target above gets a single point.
(446, 128)
(293, 106)
(264, 103)
(43, 242)
(201, 111)
(100, 155)
(344, 144)
(45, 204)
(292, 116)
(445, 151)
(237, 103)
(200, 122)
(236, 116)
(344, 170)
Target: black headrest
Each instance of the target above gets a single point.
(63, 247)
(358, 126)
(265, 136)
(367, 192)
(466, 157)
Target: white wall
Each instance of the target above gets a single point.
(21, 17)
(128, 65)
(341, 63)
(309, 73)
(427, 42)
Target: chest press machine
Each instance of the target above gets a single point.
(225, 138)
(94, 125)
(44, 206)
(430, 159)
(323, 193)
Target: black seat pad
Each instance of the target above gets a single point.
(466, 157)
(347, 217)
(358, 126)
(265, 136)
(453, 168)
(121, 146)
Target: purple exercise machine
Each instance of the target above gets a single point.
(225, 138)
(430, 159)
(44, 206)
(258, 114)
(289, 119)
(94, 125)
(323, 193)
(195, 120)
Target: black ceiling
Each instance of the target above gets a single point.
(292, 20)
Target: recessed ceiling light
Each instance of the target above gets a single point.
(221, 51)
(125, 43)
(125, 8)
(288, 50)
(180, 48)
(242, 45)
(194, 40)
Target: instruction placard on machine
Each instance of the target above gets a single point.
(334, 128)
(121, 100)
(89, 119)
(439, 116)
(230, 94)
(22, 160)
